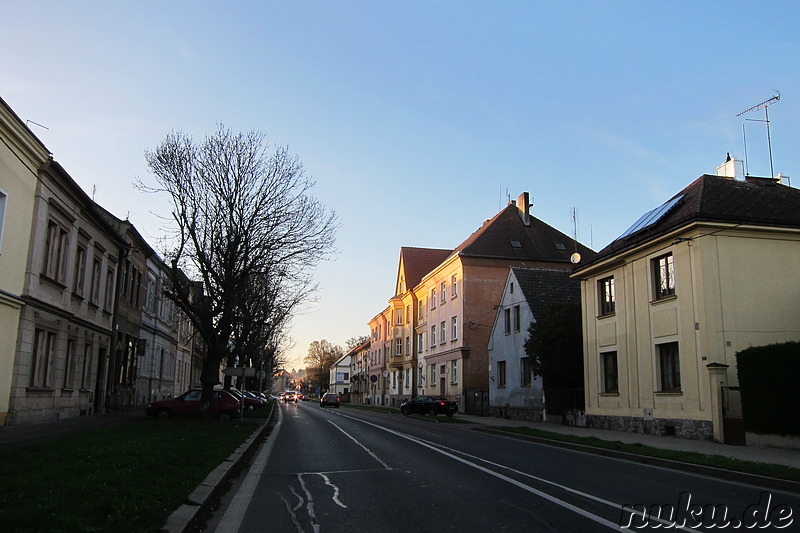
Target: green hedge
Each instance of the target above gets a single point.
(769, 378)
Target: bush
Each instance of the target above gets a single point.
(770, 393)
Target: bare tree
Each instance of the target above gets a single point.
(354, 342)
(321, 356)
(249, 234)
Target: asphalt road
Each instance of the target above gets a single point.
(345, 470)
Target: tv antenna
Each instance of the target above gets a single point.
(763, 105)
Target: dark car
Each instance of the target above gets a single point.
(428, 405)
(224, 405)
(329, 398)
(250, 402)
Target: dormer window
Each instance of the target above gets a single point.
(560, 247)
(516, 244)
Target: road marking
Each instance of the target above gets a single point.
(441, 449)
(387, 467)
(232, 519)
(335, 491)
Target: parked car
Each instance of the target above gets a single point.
(329, 398)
(428, 405)
(249, 402)
(224, 406)
(305, 397)
(255, 396)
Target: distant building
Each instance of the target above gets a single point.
(340, 375)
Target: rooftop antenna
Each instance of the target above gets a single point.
(764, 105)
(576, 257)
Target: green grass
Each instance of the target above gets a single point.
(128, 477)
(715, 461)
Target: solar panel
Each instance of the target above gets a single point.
(651, 217)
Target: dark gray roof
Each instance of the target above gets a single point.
(543, 287)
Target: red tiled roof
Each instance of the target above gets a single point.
(420, 261)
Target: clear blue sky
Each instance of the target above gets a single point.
(413, 117)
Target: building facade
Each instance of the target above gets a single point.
(65, 328)
(667, 305)
(515, 391)
(21, 157)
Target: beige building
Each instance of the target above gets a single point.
(439, 320)
(21, 157)
(668, 304)
(65, 327)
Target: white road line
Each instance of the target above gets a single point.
(335, 491)
(441, 449)
(232, 519)
(309, 504)
(387, 467)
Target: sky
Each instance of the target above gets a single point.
(418, 120)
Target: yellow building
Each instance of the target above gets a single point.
(668, 304)
(21, 157)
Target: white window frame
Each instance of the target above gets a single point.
(443, 332)
(3, 204)
(454, 328)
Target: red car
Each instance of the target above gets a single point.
(224, 406)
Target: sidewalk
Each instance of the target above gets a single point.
(745, 453)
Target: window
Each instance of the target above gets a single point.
(3, 202)
(501, 374)
(69, 363)
(55, 252)
(80, 271)
(507, 317)
(408, 314)
(408, 378)
(109, 289)
(97, 267)
(394, 380)
(454, 328)
(525, 371)
(44, 345)
(511, 288)
(517, 320)
(433, 298)
(443, 332)
(420, 376)
(610, 377)
(86, 373)
(444, 291)
(433, 375)
(607, 296)
(398, 316)
(422, 310)
(669, 367)
(454, 371)
(408, 345)
(420, 343)
(664, 277)
(454, 285)
(433, 335)
(398, 347)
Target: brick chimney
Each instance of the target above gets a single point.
(524, 205)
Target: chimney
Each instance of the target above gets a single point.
(524, 205)
(728, 168)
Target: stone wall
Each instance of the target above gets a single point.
(682, 428)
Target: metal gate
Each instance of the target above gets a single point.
(732, 417)
(476, 402)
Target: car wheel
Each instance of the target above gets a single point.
(404, 410)
(224, 416)
(432, 411)
(164, 414)
(449, 414)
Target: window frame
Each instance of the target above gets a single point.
(454, 328)
(443, 332)
(3, 209)
(526, 372)
(507, 320)
(669, 367)
(607, 297)
(517, 319)
(501, 375)
(609, 363)
(663, 276)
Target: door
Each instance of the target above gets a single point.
(732, 417)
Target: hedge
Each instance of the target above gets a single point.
(769, 378)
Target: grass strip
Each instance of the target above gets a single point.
(129, 477)
(715, 461)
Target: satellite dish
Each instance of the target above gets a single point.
(575, 258)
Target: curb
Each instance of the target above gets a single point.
(710, 471)
(180, 519)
